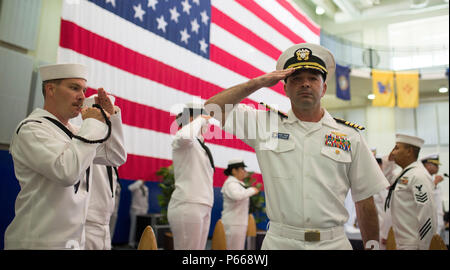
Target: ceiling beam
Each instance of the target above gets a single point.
(386, 11)
(348, 8)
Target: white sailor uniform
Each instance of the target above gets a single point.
(54, 176)
(413, 210)
(236, 199)
(189, 210)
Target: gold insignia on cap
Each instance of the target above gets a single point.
(302, 54)
(436, 162)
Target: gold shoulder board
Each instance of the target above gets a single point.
(350, 124)
(281, 114)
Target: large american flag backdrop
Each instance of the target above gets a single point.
(153, 55)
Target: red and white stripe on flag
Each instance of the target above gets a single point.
(151, 76)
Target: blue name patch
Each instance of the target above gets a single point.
(283, 136)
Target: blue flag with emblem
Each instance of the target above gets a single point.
(342, 82)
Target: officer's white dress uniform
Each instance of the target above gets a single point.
(412, 206)
(139, 206)
(307, 172)
(305, 180)
(437, 195)
(51, 207)
(438, 205)
(235, 212)
(189, 210)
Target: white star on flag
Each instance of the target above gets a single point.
(205, 17)
(152, 3)
(113, 2)
(138, 12)
(197, 2)
(230, 32)
(186, 6)
(185, 36)
(161, 23)
(174, 14)
(195, 26)
(203, 45)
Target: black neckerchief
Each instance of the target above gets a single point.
(208, 152)
(110, 177)
(71, 135)
(142, 187)
(391, 189)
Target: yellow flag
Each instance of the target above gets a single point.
(383, 88)
(407, 89)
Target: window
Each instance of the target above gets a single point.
(419, 43)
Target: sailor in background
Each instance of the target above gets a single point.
(390, 170)
(104, 182)
(139, 206)
(115, 214)
(189, 210)
(53, 161)
(379, 200)
(309, 160)
(236, 204)
(410, 197)
(431, 164)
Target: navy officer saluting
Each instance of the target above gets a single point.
(308, 159)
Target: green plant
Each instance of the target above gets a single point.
(257, 207)
(167, 186)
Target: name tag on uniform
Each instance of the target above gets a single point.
(278, 135)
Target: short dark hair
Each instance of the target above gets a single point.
(416, 151)
(183, 117)
(44, 83)
(228, 171)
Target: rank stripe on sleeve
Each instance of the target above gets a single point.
(425, 229)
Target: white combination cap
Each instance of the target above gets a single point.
(236, 161)
(434, 158)
(408, 139)
(308, 56)
(63, 71)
